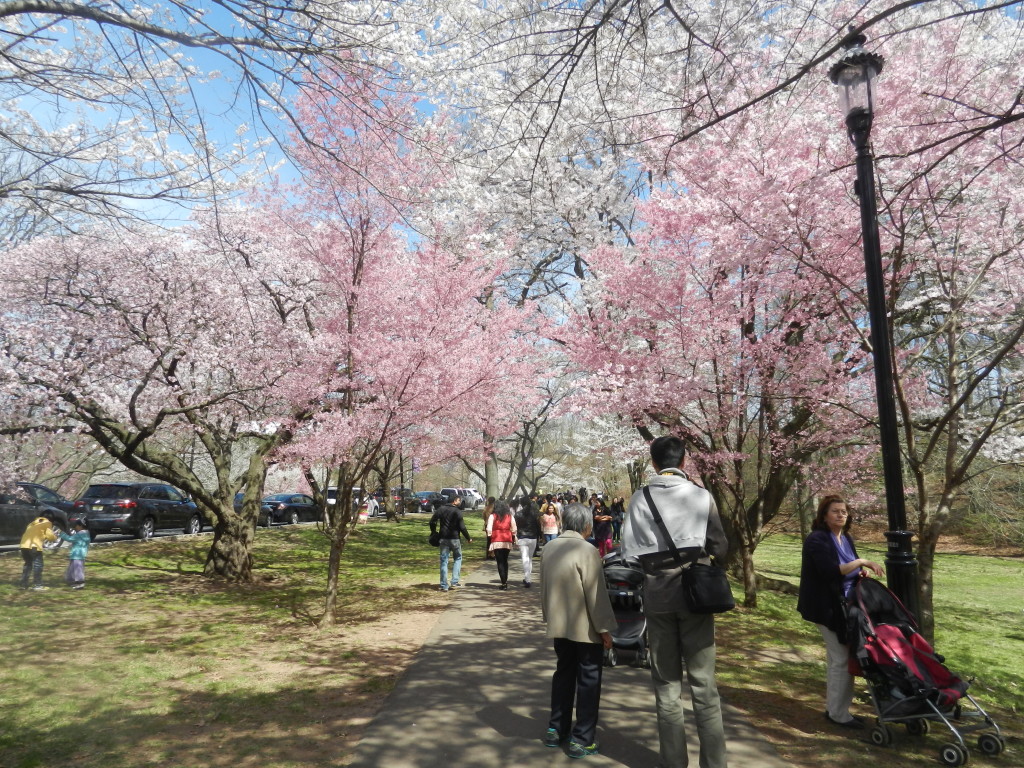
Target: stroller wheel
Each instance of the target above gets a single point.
(990, 744)
(953, 754)
(881, 735)
(917, 727)
(611, 657)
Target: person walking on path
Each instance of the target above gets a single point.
(828, 570)
(37, 534)
(602, 527)
(528, 532)
(579, 617)
(501, 530)
(488, 509)
(79, 539)
(549, 524)
(618, 511)
(447, 522)
(676, 635)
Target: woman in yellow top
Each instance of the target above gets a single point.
(37, 534)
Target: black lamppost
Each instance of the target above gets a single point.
(855, 75)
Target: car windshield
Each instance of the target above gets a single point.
(280, 497)
(110, 492)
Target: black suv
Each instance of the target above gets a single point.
(138, 509)
(25, 503)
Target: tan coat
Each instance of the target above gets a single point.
(574, 597)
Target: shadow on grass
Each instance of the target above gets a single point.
(297, 726)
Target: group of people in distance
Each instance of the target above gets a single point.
(579, 617)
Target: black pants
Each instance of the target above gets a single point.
(501, 560)
(33, 566)
(577, 676)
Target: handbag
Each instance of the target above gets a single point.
(705, 587)
(434, 539)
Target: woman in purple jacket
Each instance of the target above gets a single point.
(829, 568)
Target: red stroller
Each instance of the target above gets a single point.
(907, 680)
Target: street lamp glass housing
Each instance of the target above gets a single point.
(854, 75)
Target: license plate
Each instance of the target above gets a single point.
(97, 508)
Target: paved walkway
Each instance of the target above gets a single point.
(478, 694)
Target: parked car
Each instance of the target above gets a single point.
(429, 501)
(263, 518)
(24, 503)
(289, 508)
(468, 500)
(405, 500)
(137, 509)
(478, 499)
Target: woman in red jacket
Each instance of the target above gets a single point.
(501, 528)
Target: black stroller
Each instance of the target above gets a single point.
(625, 582)
(907, 680)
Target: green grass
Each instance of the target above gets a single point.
(153, 665)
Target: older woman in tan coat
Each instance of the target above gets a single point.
(579, 619)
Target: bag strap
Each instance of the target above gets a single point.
(661, 525)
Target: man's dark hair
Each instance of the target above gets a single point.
(667, 452)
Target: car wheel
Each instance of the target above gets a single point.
(146, 530)
(194, 525)
(294, 518)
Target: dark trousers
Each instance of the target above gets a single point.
(577, 676)
(33, 566)
(501, 560)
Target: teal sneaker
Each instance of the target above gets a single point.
(551, 738)
(578, 750)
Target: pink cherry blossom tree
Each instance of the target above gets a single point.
(416, 348)
(747, 334)
(723, 337)
(151, 340)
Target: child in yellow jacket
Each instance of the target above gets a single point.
(38, 533)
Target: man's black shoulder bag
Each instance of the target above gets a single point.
(706, 587)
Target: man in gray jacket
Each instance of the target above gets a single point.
(579, 619)
(691, 518)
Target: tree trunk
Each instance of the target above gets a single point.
(928, 540)
(490, 468)
(636, 471)
(749, 576)
(925, 592)
(333, 566)
(230, 555)
(340, 524)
